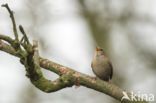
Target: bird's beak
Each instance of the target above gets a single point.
(97, 49)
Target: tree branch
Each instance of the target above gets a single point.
(12, 19)
(68, 77)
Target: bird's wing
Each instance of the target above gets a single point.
(111, 67)
(92, 64)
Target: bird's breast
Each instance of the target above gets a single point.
(101, 67)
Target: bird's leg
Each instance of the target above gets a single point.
(77, 83)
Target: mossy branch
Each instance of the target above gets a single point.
(29, 57)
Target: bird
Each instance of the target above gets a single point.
(101, 65)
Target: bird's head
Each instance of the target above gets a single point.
(99, 51)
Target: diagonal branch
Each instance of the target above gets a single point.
(70, 77)
(7, 48)
(24, 34)
(6, 38)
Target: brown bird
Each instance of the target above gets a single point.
(101, 65)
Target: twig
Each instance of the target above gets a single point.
(6, 38)
(7, 48)
(24, 34)
(12, 19)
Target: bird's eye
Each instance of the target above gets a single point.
(101, 49)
